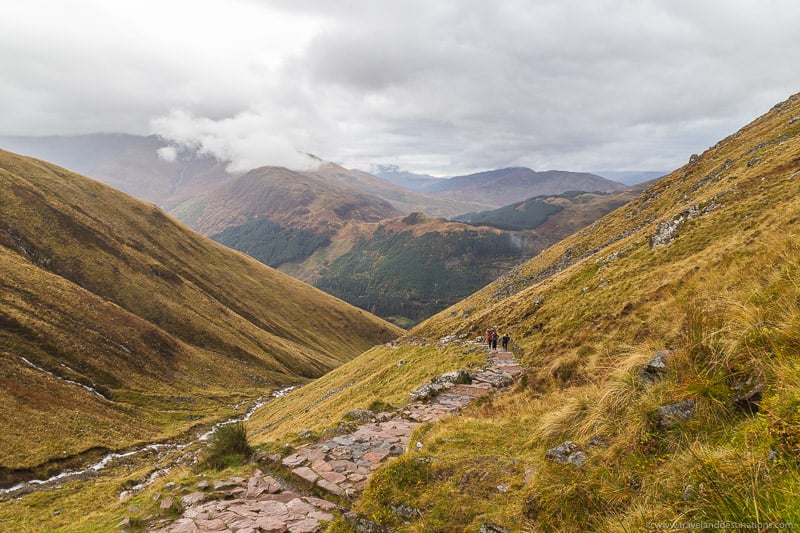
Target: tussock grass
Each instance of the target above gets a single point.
(228, 446)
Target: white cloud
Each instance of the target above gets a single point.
(168, 153)
(442, 87)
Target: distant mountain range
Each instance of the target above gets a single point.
(347, 231)
(319, 227)
(503, 186)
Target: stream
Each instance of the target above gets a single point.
(159, 450)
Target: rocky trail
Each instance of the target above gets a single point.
(309, 483)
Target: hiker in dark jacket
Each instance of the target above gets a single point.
(505, 340)
(494, 340)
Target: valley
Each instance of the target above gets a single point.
(659, 345)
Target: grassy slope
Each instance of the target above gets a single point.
(109, 292)
(585, 315)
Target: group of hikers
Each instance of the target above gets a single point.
(492, 337)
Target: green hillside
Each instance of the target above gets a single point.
(120, 326)
(703, 266)
(533, 212)
(412, 270)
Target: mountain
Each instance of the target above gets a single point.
(119, 326)
(662, 379)
(412, 267)
(404, 199)
(278, 215)
(409, 180)
(409, 268)
(318, 227)
(504, 186)
(129, 163)
(548, 211)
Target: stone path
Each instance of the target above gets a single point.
(340, 466)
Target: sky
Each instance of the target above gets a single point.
(443, 87)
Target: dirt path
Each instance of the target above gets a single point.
(339, 467)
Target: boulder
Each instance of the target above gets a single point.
(460, 377)
(567, 453)
(655, 369)
(671, 414)
(428, 391)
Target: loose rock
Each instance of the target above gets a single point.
(567, 452)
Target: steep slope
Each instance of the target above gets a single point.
(409, 268)
(702, 270)
(504, 186)
(129, 163)
(118, 325)
(412, 267)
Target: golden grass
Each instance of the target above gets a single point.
(383, 373)
(585, 315)
(723, 296)
(172, 328)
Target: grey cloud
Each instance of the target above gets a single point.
(442, 87)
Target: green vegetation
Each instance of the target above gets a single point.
(414, 276)
(227, 447)
(527, 214)
(271, 243)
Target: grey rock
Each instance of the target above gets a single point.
(405, 513)
(493, 528)
(655, 369)
(773, 456)
(428, 391)
(460, 377)
(567, 452)
(598, 442)
(671, 414)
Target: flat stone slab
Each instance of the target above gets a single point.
(305, 474)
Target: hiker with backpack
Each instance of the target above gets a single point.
(506, 339)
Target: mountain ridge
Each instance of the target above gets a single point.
(111, 293)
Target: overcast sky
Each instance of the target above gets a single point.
(439, 86)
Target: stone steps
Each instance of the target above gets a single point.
(340, 466)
